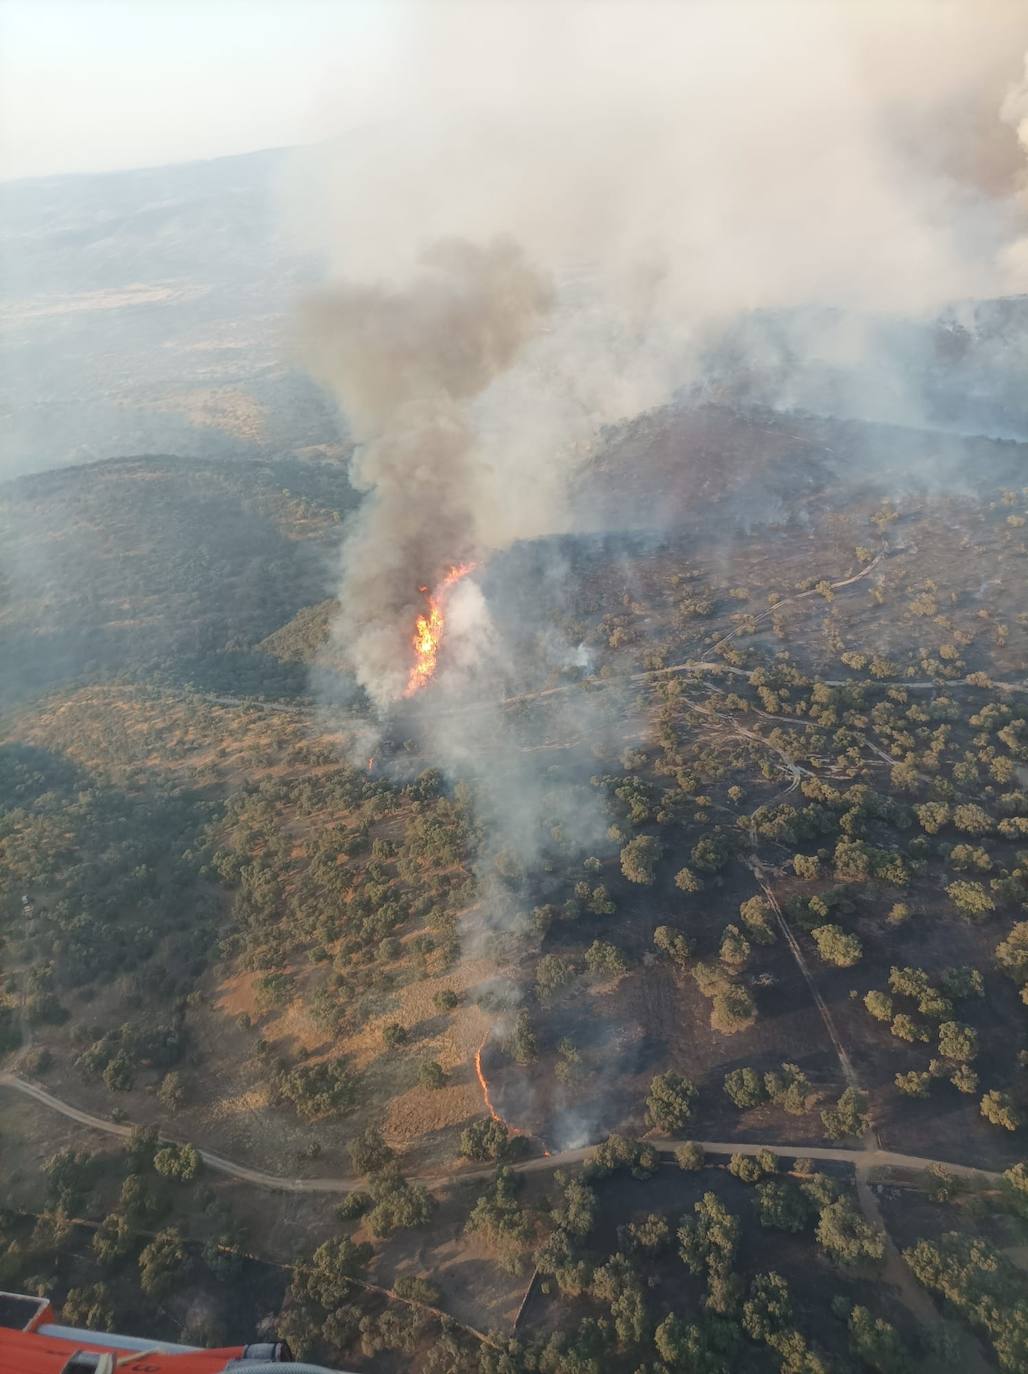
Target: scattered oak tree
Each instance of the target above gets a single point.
(998, 1108)
(639, 859)
(837, 946)
(670, 1101)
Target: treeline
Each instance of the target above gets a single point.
(100, 885)
(663, 1289)
(164, 568)
(126, 1241)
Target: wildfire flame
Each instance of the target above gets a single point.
(484, 1082)
(428, 629)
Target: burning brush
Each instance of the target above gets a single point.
(483, 1083)
(487, 1097)
(429, 627)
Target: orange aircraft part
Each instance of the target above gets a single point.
(31, 1352)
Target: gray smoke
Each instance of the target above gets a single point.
(405, 363)
(671, 169)
(628, 202)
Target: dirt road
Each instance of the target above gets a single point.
(864, 1161)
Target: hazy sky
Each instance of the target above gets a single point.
(89, 85)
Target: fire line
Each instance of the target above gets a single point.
(487, 1098)
(483, 1081)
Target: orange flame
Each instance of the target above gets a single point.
(487, 1098)
(483, 1081)
(428, 630)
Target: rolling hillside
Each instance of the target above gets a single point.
(169, 567)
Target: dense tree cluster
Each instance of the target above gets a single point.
(982, 1285)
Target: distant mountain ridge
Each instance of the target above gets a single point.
(159, 567)
(147, 311)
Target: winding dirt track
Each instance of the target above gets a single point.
(863, 1160)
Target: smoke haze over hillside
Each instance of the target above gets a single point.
(672, 169)
(514, 612)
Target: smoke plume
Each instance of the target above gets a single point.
(542, 220)
(404, 363)
(546, 219)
